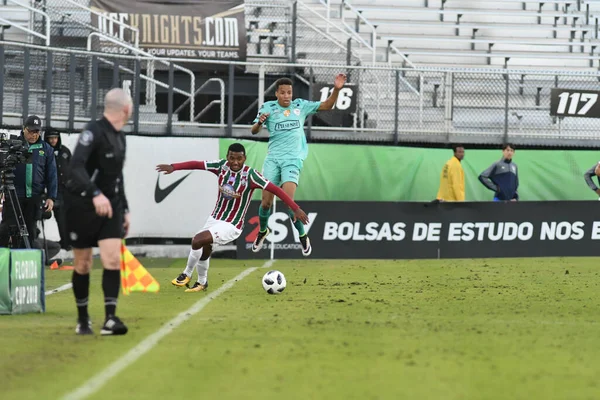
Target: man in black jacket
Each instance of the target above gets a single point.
(62, 156)
(97, 211)
(33, 178)
(588, 177)
(502, 177)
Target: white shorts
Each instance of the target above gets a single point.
(221, 231)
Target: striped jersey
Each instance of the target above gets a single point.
(235, 191)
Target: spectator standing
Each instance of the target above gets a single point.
(502, 177)
(452, 179)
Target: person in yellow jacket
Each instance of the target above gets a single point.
(452, 179)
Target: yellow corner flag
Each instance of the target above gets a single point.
(134, 277)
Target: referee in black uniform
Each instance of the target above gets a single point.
(96, 209)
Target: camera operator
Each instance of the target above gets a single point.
(32, 178)
(63, 157)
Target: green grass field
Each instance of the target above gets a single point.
(449, 329)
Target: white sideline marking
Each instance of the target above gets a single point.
(96, 382)
(66, 286)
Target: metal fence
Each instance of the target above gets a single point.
(66, 88)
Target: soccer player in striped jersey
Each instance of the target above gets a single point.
(237, 182)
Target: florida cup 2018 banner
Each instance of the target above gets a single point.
(198, 29)
(351, 230)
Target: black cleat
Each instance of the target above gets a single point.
(84, 328)
(113, 326)
(306, 247)
(260, 240)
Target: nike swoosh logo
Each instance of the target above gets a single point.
(161, 194)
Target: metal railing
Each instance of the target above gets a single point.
(103, 17)
(541, 3)
(330, 25)
(442, 12)
(506, 55)
(26, 30)
(151, 59)
(491, 41)
(29, 30)
(393, 49)
(329, 39)
(221, 101)
(452, 104)
(354, 30)
(581, 29)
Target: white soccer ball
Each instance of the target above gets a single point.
(274, 282)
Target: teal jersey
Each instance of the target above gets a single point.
(286, 128)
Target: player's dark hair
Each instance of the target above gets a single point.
(507, 145)
(456, 146)
(283, 81)
(236, 148)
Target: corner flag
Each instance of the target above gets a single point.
(134, 277)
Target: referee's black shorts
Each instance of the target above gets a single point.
(85, 227)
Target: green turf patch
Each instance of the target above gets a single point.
(454, 329)
(41, 353)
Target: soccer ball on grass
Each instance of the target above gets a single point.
(273, 282)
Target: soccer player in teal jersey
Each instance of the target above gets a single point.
(284, 119)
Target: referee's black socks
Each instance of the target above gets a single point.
(81, 290)
(111, 282)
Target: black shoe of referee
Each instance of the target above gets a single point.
(84, 328)
(113, 326)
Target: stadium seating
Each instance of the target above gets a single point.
(447, 49)
(527, 36)
(474, 33)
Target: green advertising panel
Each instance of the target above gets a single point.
(5, 303)
(27, 281)
(337, 172)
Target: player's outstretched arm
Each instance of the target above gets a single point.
(338, 84)
(169, 168)
(261, 120)
(298, 213)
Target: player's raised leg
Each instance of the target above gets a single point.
(290, 189)
(290, 176)
(272, 172)
(264, 212)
